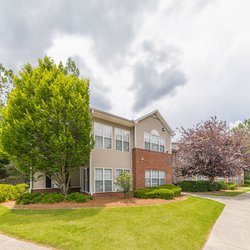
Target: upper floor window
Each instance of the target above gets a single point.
(103, 136)
(121, 139)
(154, 142)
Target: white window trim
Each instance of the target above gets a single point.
(150, 143)
(103, 135)
(103, 180)
(154, 178)
(130, 171)
(122, 140)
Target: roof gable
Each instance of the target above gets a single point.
(157, 114)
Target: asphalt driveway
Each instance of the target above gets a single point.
(232, 229)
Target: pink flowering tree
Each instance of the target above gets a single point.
(210, 149)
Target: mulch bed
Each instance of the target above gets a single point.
(108, 201)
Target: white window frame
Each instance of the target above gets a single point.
(103, 180)
(103, 137)
(221, 178)
(236, 179)
(123, 130)
(159, 142)
(124, 169)
(155, 178)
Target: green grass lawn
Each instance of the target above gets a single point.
(231, 193)
(181, 225)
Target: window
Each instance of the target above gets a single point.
(154, 142)
(118, 171)
(154, 178)
(122, 140)
(189, 178)
(103, 180)
(147, 141)
(201, 178)
(220, 178)
(230, 179)
(103, 136)
(236, 179)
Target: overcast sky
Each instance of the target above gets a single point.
(190, 59)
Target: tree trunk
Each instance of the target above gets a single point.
(64, 181)
(211, 179)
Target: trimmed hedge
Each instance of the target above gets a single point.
(247, 182)
(161, 192)
(206, 186)
(11, 192)
(50, 198)
(201, 186)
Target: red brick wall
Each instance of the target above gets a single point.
(150, 160)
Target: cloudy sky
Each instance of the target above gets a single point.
(188, 58)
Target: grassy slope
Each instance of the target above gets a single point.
(232, 192)
(180, 225)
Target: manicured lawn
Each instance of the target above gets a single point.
(180, 225)
(231, 192)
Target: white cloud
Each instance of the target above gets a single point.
(211, 40)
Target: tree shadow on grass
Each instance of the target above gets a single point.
(25, 216)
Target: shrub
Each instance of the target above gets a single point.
(52, 198)
(247, 182)
(245, 185)
(124, 182)
(29, 198)
(78, 197)
(46, 198)
(230, 186)
(11, 192)
(201, 186)
(32, 198)
(176, 190)
(163, 192)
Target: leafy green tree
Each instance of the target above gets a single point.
(124, 182)
(245, 126)
(46, 124)
(6, 83)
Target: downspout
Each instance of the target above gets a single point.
(31, 180)
(90, 174)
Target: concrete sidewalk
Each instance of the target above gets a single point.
(7, 243)
(232, 229)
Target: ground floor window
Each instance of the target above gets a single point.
(230, 179)
(236, 179)
(154, 178)
(103, 180)
(220, 178)
(118, 171)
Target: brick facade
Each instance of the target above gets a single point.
(150, 160)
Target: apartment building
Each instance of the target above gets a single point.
(141, 147)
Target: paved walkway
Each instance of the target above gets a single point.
(7, 243)
(232, 229)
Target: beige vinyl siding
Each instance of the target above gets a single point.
(39, 181)
(147, 125)
(111, 158)
(75, 178)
